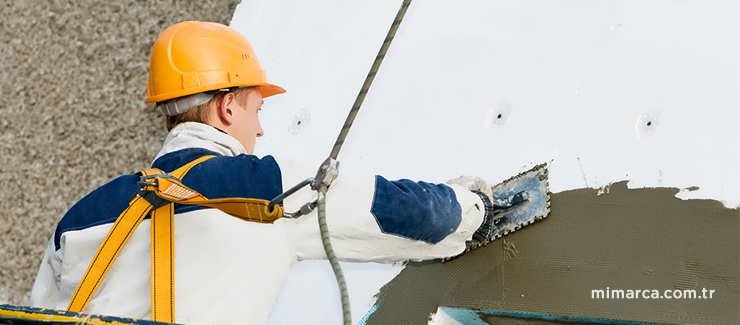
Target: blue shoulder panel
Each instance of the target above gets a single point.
(100, 206)
(415, 210)
(219, 177)
(240, 176)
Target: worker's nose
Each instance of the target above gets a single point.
(260, 131)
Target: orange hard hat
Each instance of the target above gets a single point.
(193, 57)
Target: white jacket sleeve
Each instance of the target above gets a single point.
(374, 219)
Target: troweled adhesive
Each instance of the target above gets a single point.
(626, 239)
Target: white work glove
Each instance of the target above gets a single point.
(484, 234)
(474, 184)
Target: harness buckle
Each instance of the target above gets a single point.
(146, 182)
(153, 180)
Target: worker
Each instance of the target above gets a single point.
(205, 78)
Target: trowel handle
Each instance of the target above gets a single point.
(511, 201)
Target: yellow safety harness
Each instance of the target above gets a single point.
(157, 197)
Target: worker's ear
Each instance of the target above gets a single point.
(225, 109)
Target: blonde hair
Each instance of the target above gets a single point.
(200, 113)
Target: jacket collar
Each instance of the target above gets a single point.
(198, 135)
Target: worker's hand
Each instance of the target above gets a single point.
(484, 234)
(475, 184)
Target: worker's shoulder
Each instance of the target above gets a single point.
(100, 206)
(220, 177)
(246, 176)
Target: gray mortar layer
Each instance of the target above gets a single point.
(72, 112)
(626, 239)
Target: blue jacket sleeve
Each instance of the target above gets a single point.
(415, 210)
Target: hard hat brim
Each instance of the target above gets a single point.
(269, 89)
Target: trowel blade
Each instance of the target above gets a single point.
(534, 183)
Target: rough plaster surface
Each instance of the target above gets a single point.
(72, 115)
(624, 239)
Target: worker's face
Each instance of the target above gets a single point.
(244, 117)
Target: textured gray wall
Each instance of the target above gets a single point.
(72, 111)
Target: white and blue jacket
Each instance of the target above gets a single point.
(228, 270)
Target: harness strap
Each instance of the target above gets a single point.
(163, 253)
(159, 193)
(117, 237)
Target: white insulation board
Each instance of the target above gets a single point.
(604, 91)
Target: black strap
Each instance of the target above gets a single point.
(485, 231)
